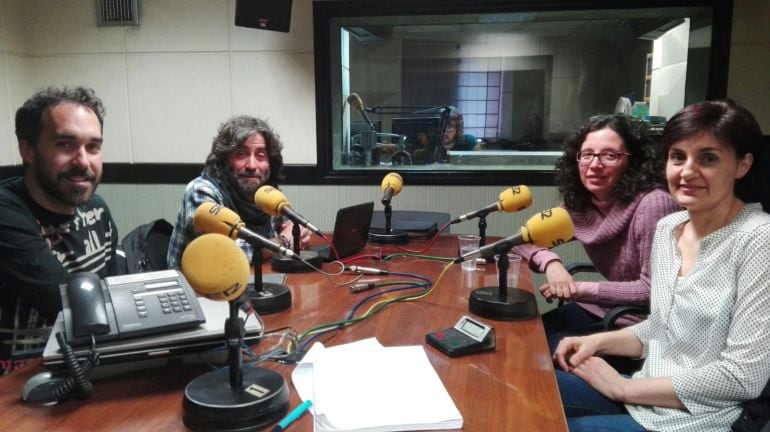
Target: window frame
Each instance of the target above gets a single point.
(325, 11)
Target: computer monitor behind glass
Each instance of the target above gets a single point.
(422, 135)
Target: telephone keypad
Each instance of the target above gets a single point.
(170, 302)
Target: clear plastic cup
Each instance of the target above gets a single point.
(512, 276)
(468, 243)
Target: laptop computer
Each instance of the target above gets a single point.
(417, 224)
(351, 231)
(203, 343)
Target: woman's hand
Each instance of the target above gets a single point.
(560, 283)
(602, 377)
(606, 380)
(574, 350)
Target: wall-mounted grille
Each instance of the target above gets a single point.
(117, 12)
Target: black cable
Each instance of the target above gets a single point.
(77, 384)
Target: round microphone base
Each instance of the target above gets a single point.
(211, 404)
(514, 305)
(272, 298)
(284, 264)
(381, 236)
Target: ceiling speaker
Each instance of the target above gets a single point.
(263, 14)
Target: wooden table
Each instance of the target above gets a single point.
(511, 388)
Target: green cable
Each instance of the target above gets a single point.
(363, 317)
(406, 254)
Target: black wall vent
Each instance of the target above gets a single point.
(117, 13)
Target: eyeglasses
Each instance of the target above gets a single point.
(605, 157)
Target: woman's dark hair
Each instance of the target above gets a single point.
(645, 164)
(454, 116)
(232, 134)
(734, 127)
(30, 117)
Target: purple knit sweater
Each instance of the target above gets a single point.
(618, 244)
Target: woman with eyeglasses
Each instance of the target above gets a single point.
(611, 181)
(705, 343)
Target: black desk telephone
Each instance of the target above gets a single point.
(127, 306)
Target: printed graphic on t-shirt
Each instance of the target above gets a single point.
(82, 244)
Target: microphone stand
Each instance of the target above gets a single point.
(269, 297)
(501, 302)
(388, 235)
(442, 155)
(285, 264)
(234, 333)
(483, 234)
(250, 399)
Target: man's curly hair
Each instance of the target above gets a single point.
(30, 117)
(232, 134)
(645, 169)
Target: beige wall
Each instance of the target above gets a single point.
(168, 83)
(749, 80)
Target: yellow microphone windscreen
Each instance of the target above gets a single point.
(214, 218)
(549, 228)
(515, 198)
(393, 181)
(270, 200)
(356, 102)
(216, 267)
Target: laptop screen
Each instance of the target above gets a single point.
(351, 228)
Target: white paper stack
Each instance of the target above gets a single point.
(364, 386)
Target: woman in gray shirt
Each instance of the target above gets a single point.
(705, 341)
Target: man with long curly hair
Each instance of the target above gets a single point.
(245, 154)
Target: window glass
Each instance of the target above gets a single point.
(501, 91)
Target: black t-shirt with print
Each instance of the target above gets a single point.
(38, 251)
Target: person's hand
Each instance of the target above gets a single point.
(573, 350)
(304, 234)
(601, 376)
(560, 283)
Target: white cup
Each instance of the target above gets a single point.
(512, 276)
(468, 243)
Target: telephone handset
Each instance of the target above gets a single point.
(127, 306)
(86, 301)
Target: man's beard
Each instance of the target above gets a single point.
(58, 187)
(249, 187)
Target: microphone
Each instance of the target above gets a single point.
(546, 229)
(274, 202)
(214, 218)
(216, 267)
(391, 186)
(356, 102)
(513, 199)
